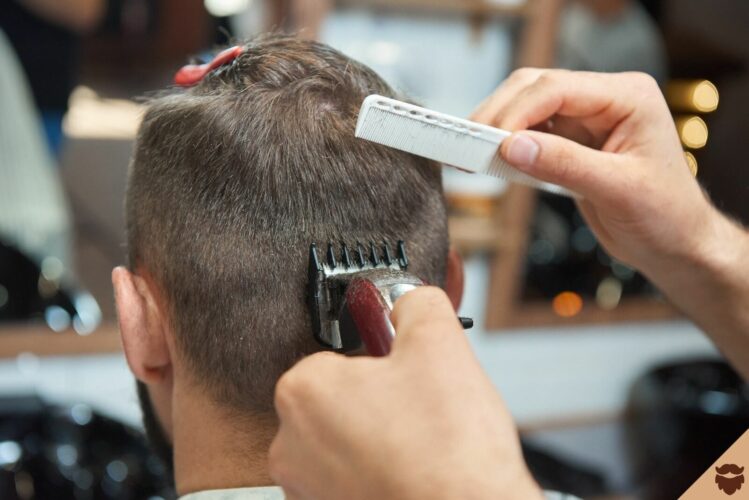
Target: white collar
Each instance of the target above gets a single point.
(266, 493)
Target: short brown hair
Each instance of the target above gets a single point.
(234, 178)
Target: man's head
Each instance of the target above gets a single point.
(230, 183)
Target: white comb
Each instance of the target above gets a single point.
(442, 138)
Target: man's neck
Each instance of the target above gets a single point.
(214, 451)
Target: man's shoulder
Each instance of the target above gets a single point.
(266, 493)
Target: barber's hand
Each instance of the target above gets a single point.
(423, 422)
(611, 139)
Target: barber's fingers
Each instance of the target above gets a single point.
(298, 386)
(571, 94)
(425, 320)
(489, 110)
(591, 173)
(572, 128)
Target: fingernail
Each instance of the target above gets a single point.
(523, 151)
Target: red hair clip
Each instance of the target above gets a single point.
(192, 73)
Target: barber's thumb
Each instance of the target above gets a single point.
(425, 319)
(557, 160)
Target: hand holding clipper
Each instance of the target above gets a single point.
(351, 299)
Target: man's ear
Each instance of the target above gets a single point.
(142, 327)
(454, 278)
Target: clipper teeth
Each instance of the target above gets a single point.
(360, 259)
(386, 253)
(331, 257)
(328, 281)
(402, 257)
(314, 262)
(373, 257)
(370, 256)
(345, 257)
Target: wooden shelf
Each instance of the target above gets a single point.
(571, 422)
(540, 314)
(470, 235)
(462, 7)
(38, 339)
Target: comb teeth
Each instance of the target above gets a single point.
(339, 259)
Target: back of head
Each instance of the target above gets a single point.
(234, 178)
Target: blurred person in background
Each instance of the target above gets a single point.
(46, 37)
(305, 17)
(309, 16)
(34, 216)
(610, 36)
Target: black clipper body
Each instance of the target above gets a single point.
(351, 296)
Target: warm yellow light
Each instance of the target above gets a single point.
(692, 131)
(700, 96)
(567, 304)
(705, 97)
(691, 163)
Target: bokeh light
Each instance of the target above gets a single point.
(567, 304)
(692, 131)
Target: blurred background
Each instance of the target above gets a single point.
(616, 395)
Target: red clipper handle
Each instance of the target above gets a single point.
(371, 316)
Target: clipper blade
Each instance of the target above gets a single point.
(331, 271)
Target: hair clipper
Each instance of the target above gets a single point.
(351, 296)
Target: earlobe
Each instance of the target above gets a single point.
(141, 328)
(454, 278)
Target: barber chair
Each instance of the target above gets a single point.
(31, 292)
(72, 453)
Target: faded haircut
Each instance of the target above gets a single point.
(231, 182)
